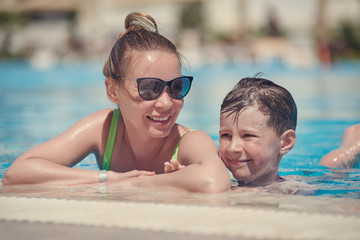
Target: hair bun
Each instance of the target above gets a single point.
(137, 21)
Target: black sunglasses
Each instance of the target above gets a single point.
(151, 88)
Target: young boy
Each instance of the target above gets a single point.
(257, 128)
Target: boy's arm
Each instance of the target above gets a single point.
(204, 171)
(348, 154)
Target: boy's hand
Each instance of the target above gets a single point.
(172, 166)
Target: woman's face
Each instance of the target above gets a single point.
(153, 117)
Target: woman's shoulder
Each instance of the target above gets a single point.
(94, 127)
(100, 115)
(97, 120)
(185, 131)
(104, 113)
(194, 139)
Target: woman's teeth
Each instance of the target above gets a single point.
(159, 118)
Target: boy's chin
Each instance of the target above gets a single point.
(241, 173)
(244, 180)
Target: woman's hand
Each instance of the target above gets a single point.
(172, 166)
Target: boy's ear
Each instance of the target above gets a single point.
(288, 140)
(112, 90)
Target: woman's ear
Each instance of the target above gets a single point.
(288, 140)
(112, 90)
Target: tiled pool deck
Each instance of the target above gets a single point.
(99, 212)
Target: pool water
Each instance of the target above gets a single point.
(37, 105)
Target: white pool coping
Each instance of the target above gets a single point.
(230, 221)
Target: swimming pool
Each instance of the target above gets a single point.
(36, 105)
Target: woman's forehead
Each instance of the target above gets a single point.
(154, 64)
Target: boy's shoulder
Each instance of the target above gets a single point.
(287, 187)
(290, 187)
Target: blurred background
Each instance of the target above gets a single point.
(52, 54)
(298, 33)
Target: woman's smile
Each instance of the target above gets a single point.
(160, 121)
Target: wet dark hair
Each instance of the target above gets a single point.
(272, 100)
(140, 34)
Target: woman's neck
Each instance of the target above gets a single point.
(145, 148)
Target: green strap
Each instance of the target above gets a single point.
(175, 153)
(111, 140)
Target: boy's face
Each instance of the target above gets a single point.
(248, 147)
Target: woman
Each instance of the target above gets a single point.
(133, 142)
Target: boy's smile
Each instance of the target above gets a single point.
(239, 162)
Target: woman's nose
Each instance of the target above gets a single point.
(164, 100)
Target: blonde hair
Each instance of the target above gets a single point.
(140, 34)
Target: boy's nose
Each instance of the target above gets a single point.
(235, 146)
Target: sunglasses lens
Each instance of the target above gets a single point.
(180, 87)
(150, 89)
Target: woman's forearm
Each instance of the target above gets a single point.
(39, 171)
(193, 178)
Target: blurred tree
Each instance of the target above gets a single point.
(8, 21)
(192, 16)
(11, 19)
(345, 42)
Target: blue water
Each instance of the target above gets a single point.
(37, 105)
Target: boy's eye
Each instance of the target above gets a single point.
(225, 135)
(249, 135)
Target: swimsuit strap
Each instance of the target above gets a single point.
(111, 140)
(175, 154)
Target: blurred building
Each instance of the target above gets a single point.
(206, 30)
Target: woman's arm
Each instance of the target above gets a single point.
(348, 154)
(51, 162)
(204, 171)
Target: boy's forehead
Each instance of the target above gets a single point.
(250, 115)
